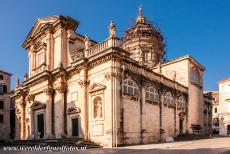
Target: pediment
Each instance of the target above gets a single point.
(73, 110)
(37, 105)
(96, 87)
(39, 24)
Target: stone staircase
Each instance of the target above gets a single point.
(53, 142)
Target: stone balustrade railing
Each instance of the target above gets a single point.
(39, 69)
(110, 42)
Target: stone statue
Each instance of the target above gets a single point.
(17, 82)
(87, 42)
(25, 77)
(112, 29)
(97, 108)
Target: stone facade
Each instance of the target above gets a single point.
(5, 106)
(208, 102)
(106, 92)
(224, 107)
(215, 112)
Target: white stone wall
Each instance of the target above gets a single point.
(181, 71)
(224, 106)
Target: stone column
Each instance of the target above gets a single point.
(50, 47)
(23, 119)
(60, 113)
(49, 111)
(31, 100)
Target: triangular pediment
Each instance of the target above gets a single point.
(96, 87)
(40, 23)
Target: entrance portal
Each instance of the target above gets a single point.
(40, 125)
(228, 130)
(181, 126)
(75, 127)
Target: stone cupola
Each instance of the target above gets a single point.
(144, 41)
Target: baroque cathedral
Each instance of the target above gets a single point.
(116, 92)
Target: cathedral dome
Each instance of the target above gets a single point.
(144, 41)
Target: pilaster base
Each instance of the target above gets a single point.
(60, 136)
(49, 136)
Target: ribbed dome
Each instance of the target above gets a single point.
(146, 37)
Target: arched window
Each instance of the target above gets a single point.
(152, 94)
(168, 99)
(180, 102)
(195, 76)
(130, 87)
(97, 102)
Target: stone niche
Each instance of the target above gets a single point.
(97, 109)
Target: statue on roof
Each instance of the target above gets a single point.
(112, 29)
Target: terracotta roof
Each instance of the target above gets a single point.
(226, 79)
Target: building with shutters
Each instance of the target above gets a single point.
(120, 91)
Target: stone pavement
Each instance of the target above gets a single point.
(207, 146)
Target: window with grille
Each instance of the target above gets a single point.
(130, 87)
(168, 99)
(152, 94)
(180, 102)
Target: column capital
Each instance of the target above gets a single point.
(31, 97)
(61, 88)
(48, 91)
(83, 83)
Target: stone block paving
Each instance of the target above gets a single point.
(220, 145)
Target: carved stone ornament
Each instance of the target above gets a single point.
(96, 87)
(37, 105)
(18, 112)
(83, 83)
(62, 88)
(30, 98)
(23, 103)
(73, 110)
(48, 91)
(114, 74)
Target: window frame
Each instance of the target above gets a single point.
(40, 58)
(180, 101)
(152, 91)
(126, 85)
(168, 98)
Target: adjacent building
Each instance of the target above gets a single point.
(117, 92)
(5, 106)
(224, 107)
(215, 112)
(208, 104)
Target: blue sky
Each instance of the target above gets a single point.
(200, 28)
